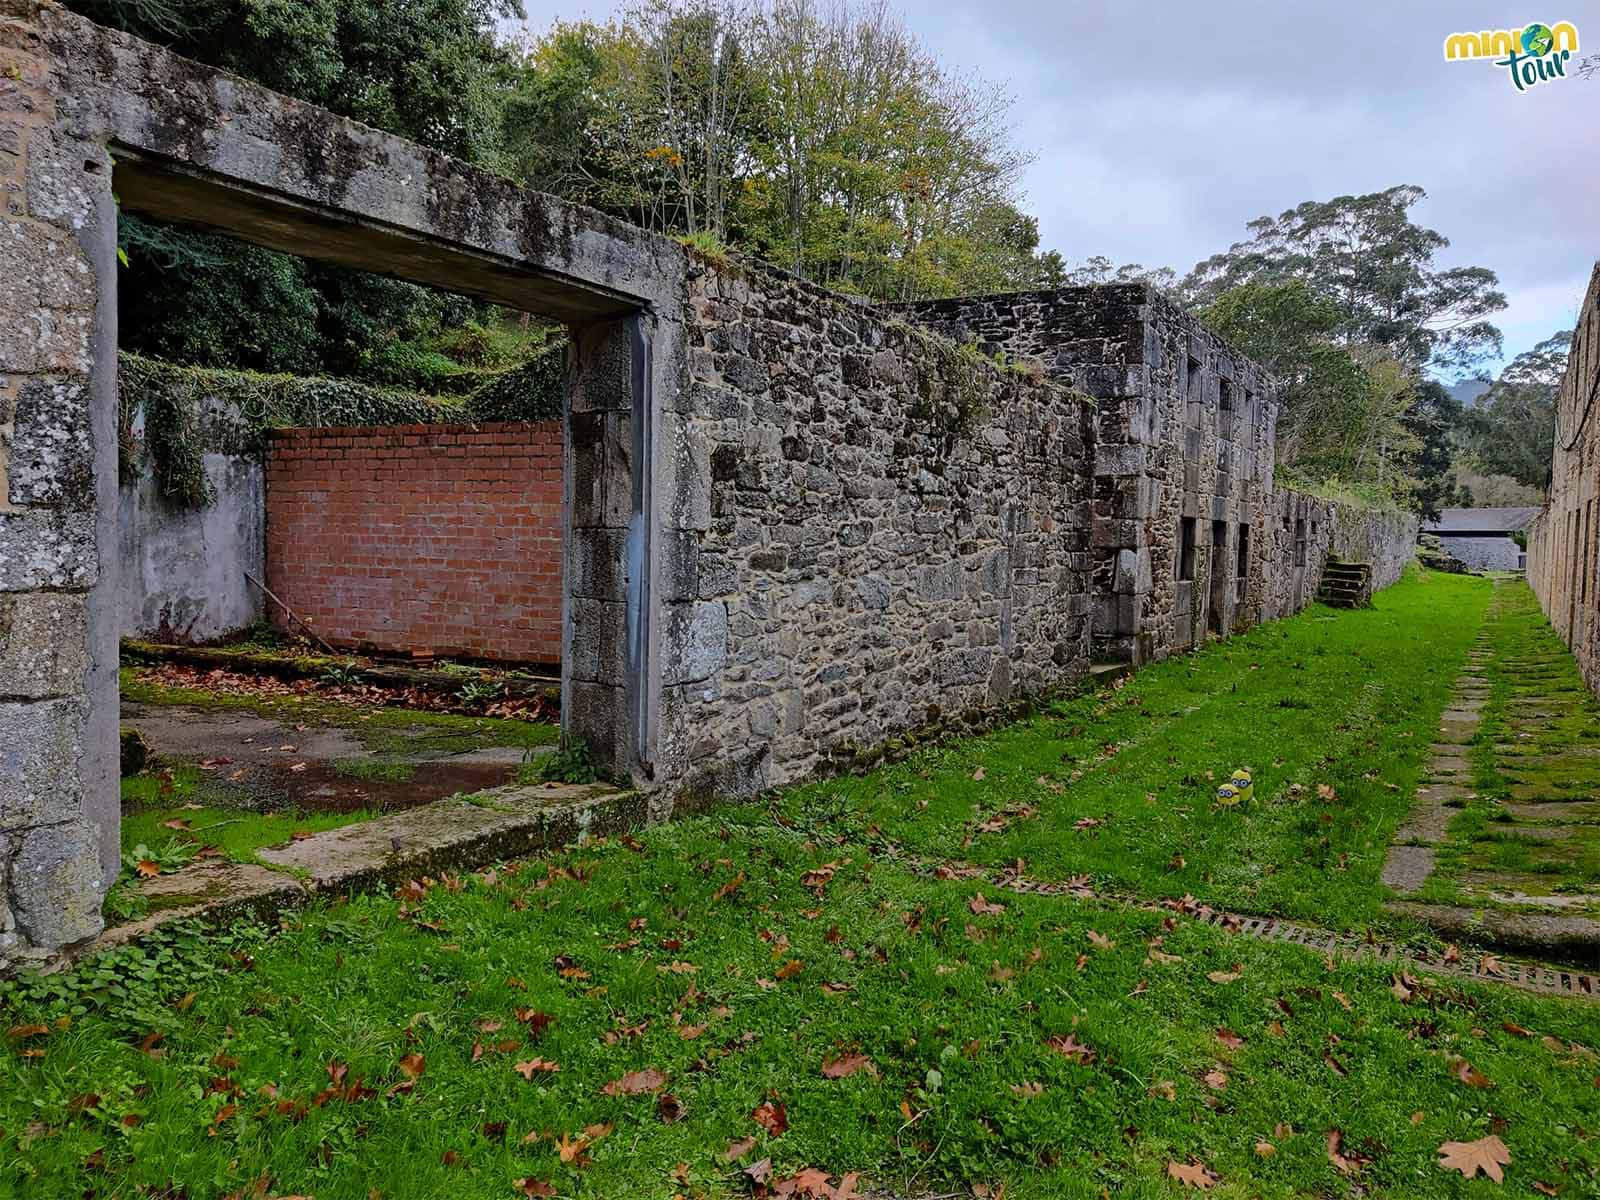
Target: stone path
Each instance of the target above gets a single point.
(1503, 840)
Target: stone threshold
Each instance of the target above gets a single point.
(452, 834)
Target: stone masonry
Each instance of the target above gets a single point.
(58, 695)
(1191, 537)
(1564, 540)
(875, 530)
(798, 531)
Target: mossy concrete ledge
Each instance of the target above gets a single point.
(453, 834)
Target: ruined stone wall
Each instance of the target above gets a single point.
(1564, 540)
(1191, 537)
(875, 531)
(58, 814)
(1184, 433)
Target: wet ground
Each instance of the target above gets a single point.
(267, 765)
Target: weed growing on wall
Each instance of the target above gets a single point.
(170, 417)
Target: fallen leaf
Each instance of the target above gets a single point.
(1345, 1164)
(529, 1186)
(636, 1082)
(738, 1148)
(1470, 1075)
(1265, 1149)
(1027, 1091)
(1194, 1175)
(846, 1065)
(1100, 941)
(412, 1066)
(771, 1116)
(669, 1108)
(1222, 976)
(983, 907)
(537, 1066)
(1488, 1155)
(1229, 1039)
(1070, 1048)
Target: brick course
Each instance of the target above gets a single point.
(440, 538)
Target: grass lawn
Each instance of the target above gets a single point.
(774, 995)
(1121, 786)
(1536, 762)
(658, 998)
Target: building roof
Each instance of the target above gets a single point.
(1481, 520)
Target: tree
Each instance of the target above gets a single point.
(1366, 255)
(1098, 269)
(1512, 431)
(429, 71)
(824, 138)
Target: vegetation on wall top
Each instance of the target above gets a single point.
(170, 416)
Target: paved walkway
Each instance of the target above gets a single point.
(1503, 841)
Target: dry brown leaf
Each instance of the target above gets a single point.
(535, 1066)
(1487, 1154)
(1194, 1175)
(636, 1082)
(738, 1148)
(984, 908)
(771, 1116)
(846, 1065)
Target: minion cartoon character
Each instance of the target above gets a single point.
(1243, 785)
(1227, 795)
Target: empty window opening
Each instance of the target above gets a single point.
(1186, 548)
(1225, 396)
(1217, 612)
(1300, 542)
(1241, 572)
(1190, 375)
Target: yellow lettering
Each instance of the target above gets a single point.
(1566, 36)
(1505, 41)
(1462, 45)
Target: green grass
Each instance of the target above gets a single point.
(739, 953)
(167, 794)
(375, 769)
(953, 1009)
(382, 730)
(1521, 758)
(1121, 786)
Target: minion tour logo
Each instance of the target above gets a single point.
(1532, 55)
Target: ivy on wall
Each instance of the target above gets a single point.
(170, 417)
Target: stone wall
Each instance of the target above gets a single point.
(182, 570)
(1485, 552)
(1191, 537)
(873, 530)
(438, 538)
(58, 697)
(1564, 540)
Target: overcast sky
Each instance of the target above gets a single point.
(1160, 129)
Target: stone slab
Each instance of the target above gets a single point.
(1407, 868)
(1545, 935)
(445, 835)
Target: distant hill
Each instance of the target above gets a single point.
(1468, 391)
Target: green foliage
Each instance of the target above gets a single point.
(171, 855)
(1512, 429)
(433, 72)
(1365, 256)
(1352, 416)
(534, 391)
(827, 141)
(569, 763)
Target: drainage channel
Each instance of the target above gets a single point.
(1490, 968)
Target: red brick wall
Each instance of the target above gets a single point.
(443, 538)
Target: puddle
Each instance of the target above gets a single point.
(320, 788)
